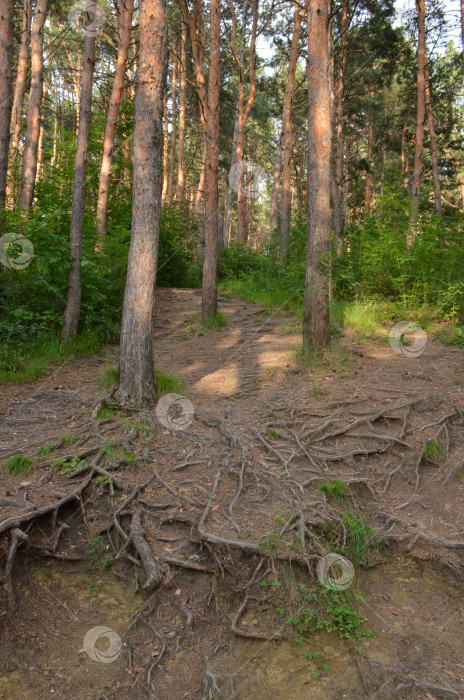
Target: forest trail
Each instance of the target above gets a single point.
(224, 505)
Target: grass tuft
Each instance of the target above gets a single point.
(17, 465)
(108, 377)
(169, 384)
(217, 320)
(337, 489)
(362, 539)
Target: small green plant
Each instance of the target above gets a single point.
(337, 489)
(361, 538)
(217, 320)
(66, 466)
(169, 384)
(104, 479)
(95, 545)
(44, 450)
(108, 377)
(433, 452)
(329, 611)
(17, 465)
(67, 438)
(272, 433)
(317, 390)
(105, 413)
(94, 586)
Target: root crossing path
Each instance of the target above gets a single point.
(214, 526)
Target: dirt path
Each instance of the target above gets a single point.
(236, 495)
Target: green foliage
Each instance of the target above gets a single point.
(329, 611)
(169, 384)
(433, 452)
(362, 539)
(108, 377)
(217, 320)
(337, 489)
(17, 465)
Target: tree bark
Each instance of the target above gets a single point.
(136, 369)
(274, 211)
(125, 12)
(416, 177)
(209, 288)
(172, 154)
(165, 150)
(73, 299)
(433, 142)
(317, 280)
(6, 83)
(338, 219)
(368, 184)
(244, 111)
(20, 90)
(29, 169)
(180, 186)
(287, 134)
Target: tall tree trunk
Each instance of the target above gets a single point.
(433, 142)
(230, 189)
(180, 186)
(172, 154)
(317, 280)
(20, 90)
(6, 79)
(125, 12)
(404, 164)
(462, 24)
(73, 299)
(209, 288)
(287, 134)
(368, 184)
(243, 114)
(165, 150)
(29, 169)
(274, 210)
(338, 219)
(136, 368)
(416, 177)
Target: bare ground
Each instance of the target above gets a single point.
(191, 523)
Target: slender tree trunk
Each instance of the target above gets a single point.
(433, 142)
(243, 114)
(461, 186)
(125, 12)
(338, 221)
(404, 164)
(29, 169)
(6, 80)
(274, 211)
(165, 150)
(209, 289)
(416, 177)
(136, 369)
(180, 187)
(287, 134)
(172, 154)
(73, 299)
(230, 190)
(462, 24)
(368, 185)
(20, 90)
(317, 281)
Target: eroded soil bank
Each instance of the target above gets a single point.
(233, 513)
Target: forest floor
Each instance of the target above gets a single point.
(193, 544)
